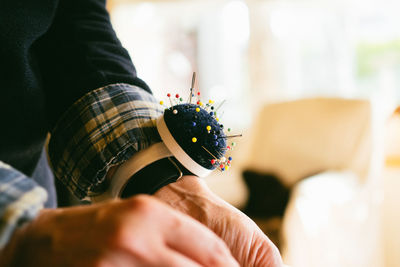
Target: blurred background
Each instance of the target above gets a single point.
(313, 86)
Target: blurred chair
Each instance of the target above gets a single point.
(297, 139)
(321, 149)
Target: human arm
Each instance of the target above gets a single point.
(83, 168)
(137, 232)
(93, 96)
(67, 232)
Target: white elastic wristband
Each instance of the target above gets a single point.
(126, 170)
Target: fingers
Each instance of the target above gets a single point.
(195, 241)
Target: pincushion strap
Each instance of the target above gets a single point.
(124, 172)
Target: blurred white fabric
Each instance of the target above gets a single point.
(332, 220)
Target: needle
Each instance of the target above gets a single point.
(191, 88)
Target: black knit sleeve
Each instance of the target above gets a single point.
(79, 53)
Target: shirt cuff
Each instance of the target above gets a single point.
(102, 129)
(20, 201)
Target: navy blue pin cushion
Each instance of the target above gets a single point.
(194, 137)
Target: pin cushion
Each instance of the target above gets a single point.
(194, 137)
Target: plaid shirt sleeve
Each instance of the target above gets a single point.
(104, 128)
(20, 200)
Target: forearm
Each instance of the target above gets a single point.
(105, 128)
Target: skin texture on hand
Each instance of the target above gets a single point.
(248, 244)
(140, 231)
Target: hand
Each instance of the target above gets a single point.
(248, 244)
(140, 231)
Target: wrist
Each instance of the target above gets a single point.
(191, 196)
(144, 173)
(188, 186)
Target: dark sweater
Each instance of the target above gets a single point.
(51, 53)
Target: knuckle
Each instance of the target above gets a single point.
(175, 222)
(142, 204)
